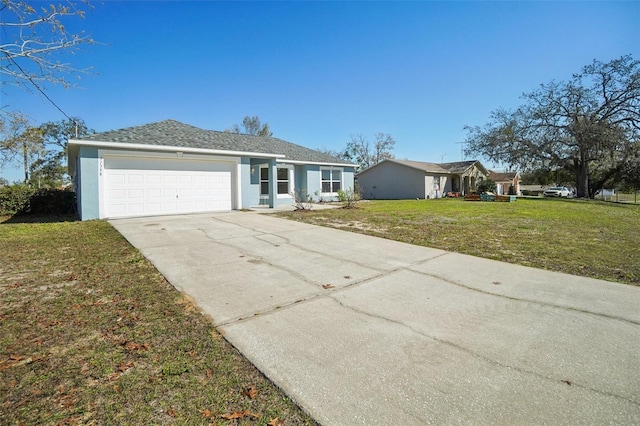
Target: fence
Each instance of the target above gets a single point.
(618, 197)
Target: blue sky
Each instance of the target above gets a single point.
(320, 71)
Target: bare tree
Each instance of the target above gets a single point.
(382, 147)
(359, 149)
(589, 125)
(32, 39)
(251, 126)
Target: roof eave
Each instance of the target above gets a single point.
(316, 163)
(170, 148)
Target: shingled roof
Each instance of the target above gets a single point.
(172, 133)
(457, 167)
(502, 176)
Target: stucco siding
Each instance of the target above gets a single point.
(88, 169)
(249, 183)
(392, 181)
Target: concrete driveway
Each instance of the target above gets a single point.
(362, 330)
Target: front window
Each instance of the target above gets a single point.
(283, 180)
(331, 180)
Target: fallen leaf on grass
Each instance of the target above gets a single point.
(171, 412)
(124, 367)
(275, 422)
(208, 372)
(327, 286)
(207, 413)
(68, 401)
(240, 415)
(131, 346)
(251, 392)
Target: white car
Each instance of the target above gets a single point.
(557, 191)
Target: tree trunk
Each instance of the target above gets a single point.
(582, 179)
(26, 162)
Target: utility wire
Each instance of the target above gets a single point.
(40, 90)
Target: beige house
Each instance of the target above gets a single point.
(504, 180)
(403, 179)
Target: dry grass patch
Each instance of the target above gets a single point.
(91, 333)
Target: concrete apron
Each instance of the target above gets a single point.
(363, 330)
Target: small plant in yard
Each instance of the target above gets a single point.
(319, 196)
(301, 200)
(350, 197)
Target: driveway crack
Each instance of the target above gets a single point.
(532, 301)
(480, 356)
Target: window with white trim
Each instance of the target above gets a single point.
(331, 180)
(284, 177)
(283, 181)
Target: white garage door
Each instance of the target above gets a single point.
(146, 187)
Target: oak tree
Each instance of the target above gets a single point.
(589, 125)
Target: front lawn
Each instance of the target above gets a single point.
(588, 238)
(91, 333)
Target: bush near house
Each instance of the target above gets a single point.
(23, 199)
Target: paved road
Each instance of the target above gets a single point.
(362, 330)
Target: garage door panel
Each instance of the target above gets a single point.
(138, 187)
(169, 179)
(154, 179)
(135, 179)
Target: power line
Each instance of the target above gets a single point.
(40, 90)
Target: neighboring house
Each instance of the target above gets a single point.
(170, 167)
(403, 179)
(505, 180)
(532, 190)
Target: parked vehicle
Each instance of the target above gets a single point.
(557, 191)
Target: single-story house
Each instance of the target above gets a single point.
(170, 167)
(403, 179)
(532, 190)
(506, 180)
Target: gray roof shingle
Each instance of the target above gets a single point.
(174, 133)
(455, 167)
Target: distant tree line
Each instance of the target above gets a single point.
(41, 150)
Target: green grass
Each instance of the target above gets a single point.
(91, 333)
(588, 238)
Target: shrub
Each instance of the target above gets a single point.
(52, 201)
(487, 185)
(350, 197)
(22, 199)
(15, 199)
(301, 200)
